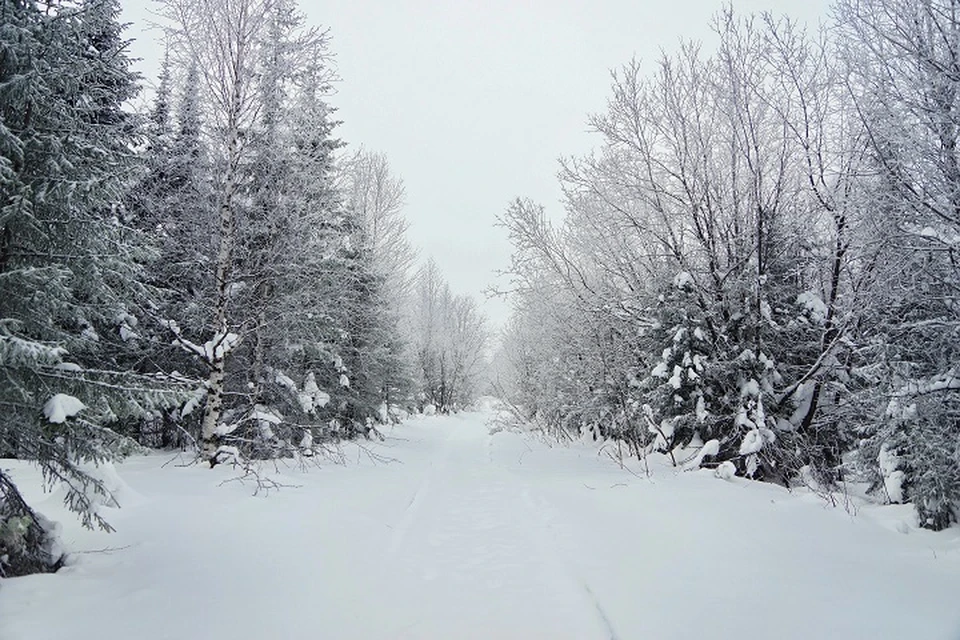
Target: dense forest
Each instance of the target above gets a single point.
(221, 274)
(757, 270)
(761, 261)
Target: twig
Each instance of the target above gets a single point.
(105, 549)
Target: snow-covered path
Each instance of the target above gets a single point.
(468, 535)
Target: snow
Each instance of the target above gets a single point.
(306, 442)
(676, 380)
(726, 470)
(946, 382)
(196, 398)
(225, 429)
(752, 442)
(228, 455)
(127, 333)
(69, 367)
(701, 409)
(285, 381)
(471, 535)
(813, 305)
(698, 361)
(60, 407)
(893, 483)
(266, 414)
(743, 420)
(214, 349)
(893, 477)
(802, 398)
(944, 236)
(312, 397)
(766, 312)
(709, 448)
(683, 280)
(265, 417)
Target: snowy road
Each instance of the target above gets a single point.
(468, 535)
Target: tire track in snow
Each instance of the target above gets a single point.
(599, 608)
(472, 529)
(411, 511)
(553, 557)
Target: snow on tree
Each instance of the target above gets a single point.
(905, 81)
(302, 274)
(448, 340)
(679, 253)
(71, 271)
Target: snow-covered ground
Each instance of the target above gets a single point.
(471, 535)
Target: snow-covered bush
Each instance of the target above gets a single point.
(914, 456)
(28, 542)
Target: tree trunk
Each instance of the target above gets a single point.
(209, 439)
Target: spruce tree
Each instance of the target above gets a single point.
(70, 266)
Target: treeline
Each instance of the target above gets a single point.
(762, 258)
(219, 275)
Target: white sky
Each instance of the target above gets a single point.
(473, 101)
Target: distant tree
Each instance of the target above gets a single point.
(449, 339)
(375, 198)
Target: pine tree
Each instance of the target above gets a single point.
(169, 203)
(70, 277)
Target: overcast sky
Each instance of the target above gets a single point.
(473, 101)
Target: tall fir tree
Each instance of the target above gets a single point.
(70, 277)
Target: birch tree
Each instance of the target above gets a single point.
(221, 36)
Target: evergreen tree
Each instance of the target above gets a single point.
(70, 277)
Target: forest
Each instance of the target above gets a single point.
(757, 270)
(218, 274)
(761, 259)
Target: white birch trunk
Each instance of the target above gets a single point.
(215, 382)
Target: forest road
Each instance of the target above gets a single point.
(481, 550)
(447, 531)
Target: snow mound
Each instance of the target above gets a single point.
(683, 280)
(60, 407)
(813, 305)
(108, 490)
(726, 471)
(120, 493)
